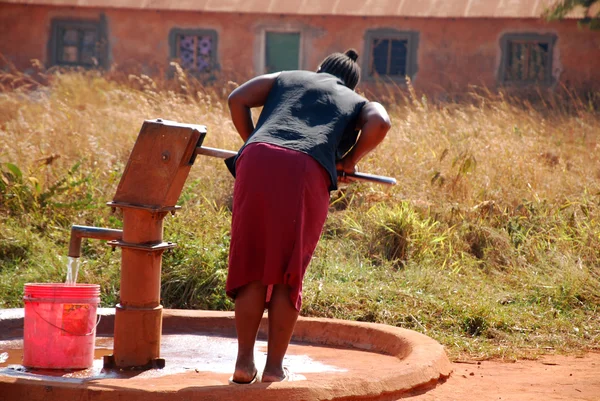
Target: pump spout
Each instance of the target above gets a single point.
(79, 232)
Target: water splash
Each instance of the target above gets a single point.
(72, 271)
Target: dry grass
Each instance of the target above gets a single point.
(490, 243)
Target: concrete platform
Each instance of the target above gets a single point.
(340, 360)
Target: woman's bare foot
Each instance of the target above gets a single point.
(274, 375)
(244, 373)
(286, 376)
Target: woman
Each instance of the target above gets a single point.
(284, 173)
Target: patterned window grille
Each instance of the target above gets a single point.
(195, 52)
(526, 59)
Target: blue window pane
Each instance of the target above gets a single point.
(88, 48)
(89, 38)
(69, 54)
(204, 53)
(186, 51)
(380, 56)
(398, 57)
(70, 37)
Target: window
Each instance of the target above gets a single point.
(195, 50)
(526, 59)
(282, 51)
(390, 53)
(78, 43)
(281, 45)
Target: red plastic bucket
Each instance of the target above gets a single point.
(60, 325)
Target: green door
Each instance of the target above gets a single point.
(282, 51)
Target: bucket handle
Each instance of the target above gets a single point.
(67, 331)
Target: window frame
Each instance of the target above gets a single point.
(214, 59)
(61, 24)
(412, 46)
(260, 41)
(533, 37)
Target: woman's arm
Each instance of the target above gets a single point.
(374, 123)
(251, 94)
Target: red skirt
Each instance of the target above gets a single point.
(280, 203)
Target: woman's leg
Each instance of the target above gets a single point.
(249, 309)
(282, 319)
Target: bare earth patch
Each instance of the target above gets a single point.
(549, 378)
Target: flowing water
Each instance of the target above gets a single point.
(72, 271)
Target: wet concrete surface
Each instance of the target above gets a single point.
(213, 355)
(336, 360)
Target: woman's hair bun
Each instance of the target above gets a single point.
(352, 54)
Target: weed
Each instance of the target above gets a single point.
(490, 242)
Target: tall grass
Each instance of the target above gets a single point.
(490, 243)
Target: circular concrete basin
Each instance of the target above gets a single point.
(334, 360)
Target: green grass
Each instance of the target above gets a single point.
(490, 243)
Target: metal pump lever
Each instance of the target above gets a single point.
(224, 154)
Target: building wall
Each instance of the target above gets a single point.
(452, 53)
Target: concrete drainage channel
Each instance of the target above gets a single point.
(340, 360)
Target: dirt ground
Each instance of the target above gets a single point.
(549, 378)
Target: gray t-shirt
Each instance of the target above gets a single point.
(314, 113)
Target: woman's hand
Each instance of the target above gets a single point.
(343, 167)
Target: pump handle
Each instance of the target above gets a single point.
(224, 154)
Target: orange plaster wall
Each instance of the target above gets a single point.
(452, 53)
